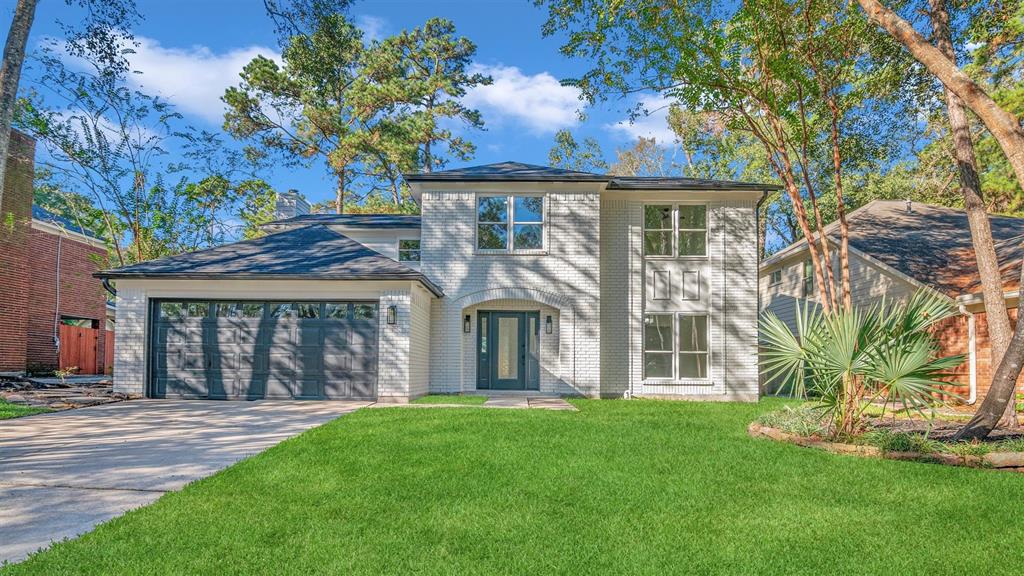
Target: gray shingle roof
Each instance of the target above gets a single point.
(351, 220)
(931, 244)
(520, 172)
(44, 215)
(309, 252)
(515, 171)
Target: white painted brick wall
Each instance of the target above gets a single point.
(567, 277)
(419, 343)
(730, 300)
(130, 340)
(393, 370)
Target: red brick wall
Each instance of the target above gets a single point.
(15, 222)
(954, 339)
(81, 295)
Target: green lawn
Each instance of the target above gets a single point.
(469, 400)
(8, 410)
(621, 487)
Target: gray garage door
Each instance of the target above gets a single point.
(248, 350)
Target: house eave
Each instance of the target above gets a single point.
(115, 275)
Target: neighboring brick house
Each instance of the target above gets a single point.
(515, 278)
(48, 264)
(898, 248)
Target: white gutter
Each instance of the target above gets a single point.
(972, 356)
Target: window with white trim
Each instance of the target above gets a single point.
(510, 223)
(409, 251)
(676, 347)
(775, 277)
(808, 284)
(676, 230)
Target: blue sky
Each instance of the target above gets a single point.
(190, 50)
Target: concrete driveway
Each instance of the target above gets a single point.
(63, 473)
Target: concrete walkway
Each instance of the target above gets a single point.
(65, 472)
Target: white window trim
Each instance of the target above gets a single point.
(675, 379)
(771, 277)
(510, 223)
(398, 251)
(675, 231)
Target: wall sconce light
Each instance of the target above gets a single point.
(392, 314)
(547, 324)
(467, 324)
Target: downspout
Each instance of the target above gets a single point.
(56, 305)
(971, 356)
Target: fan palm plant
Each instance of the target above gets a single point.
(851, 358)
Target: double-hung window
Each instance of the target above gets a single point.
(409, 251)
(676, 230)
(676, 347)
(808, 277)
(510, 223)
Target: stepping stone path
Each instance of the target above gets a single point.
(538, 402)
(52, 394)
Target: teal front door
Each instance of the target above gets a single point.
(508, 350)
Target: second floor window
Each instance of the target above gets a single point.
(672, 230)
(513, 223)
(409, 251)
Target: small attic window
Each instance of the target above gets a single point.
(409, 251)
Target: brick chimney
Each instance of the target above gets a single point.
(15, 225)
(290, 204)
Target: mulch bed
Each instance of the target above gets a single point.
(941, 430)
(1009, 461)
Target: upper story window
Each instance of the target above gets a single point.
(676, 230)
(510, 223)
(808, 284)
(775, 277)
(409, 251)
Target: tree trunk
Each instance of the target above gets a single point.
(10, 74)
(1004, 126)
(339, 193)
(981, 231)
(1007, 131)
(1004, 381)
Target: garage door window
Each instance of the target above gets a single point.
(365, 311)
(337, 311)
(309, 310)
(281, 310)
(172, 310)
(198, 309)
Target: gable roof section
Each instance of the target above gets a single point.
(369, 221)
(309, 253)
(44, 215)
(519, 172)
(931, 244)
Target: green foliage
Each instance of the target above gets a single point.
(107, 165)
(846, 359)
(802, 420)
(369, 112)
(10, 410)
(569, 154)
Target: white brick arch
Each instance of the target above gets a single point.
(552, 299)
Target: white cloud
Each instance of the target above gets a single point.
(373, 27)
(193, 78)
(537, 101)
(652, 122)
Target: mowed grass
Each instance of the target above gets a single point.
(620, 487)
(469, 400)
(9, 410)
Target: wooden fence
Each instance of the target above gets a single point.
(79, 347)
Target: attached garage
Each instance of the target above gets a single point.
(307, 313)
(248, 350)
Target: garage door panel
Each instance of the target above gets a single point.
(218, 350)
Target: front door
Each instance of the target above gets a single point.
(508, 350)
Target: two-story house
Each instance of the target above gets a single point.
(514, 277)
